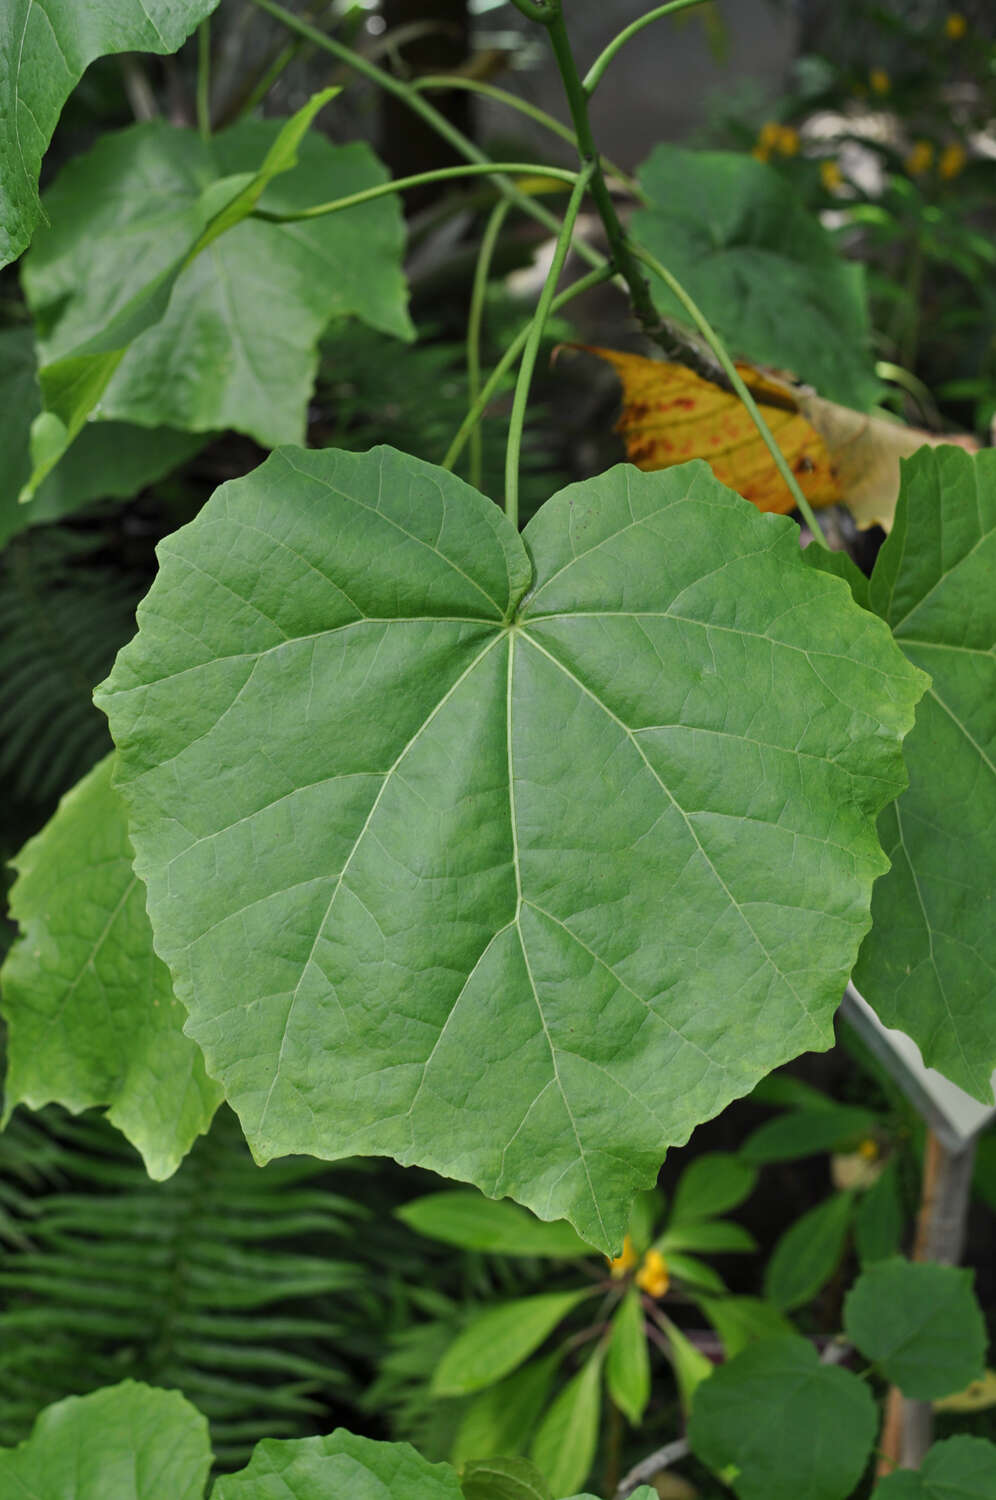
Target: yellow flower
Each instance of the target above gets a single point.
(652, 1277)
(788, 140)
(769, 135)
(880, 81)
(761, 153)
(955, 26)
(830, 175)
(952, 160)
(920, 159)
(624, 1261)
(868, 1149)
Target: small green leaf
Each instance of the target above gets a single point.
(126, 1442)
(740, 1321)
(927, 965)
(647, 1209)
(504, 1479)
(808, 1132)
(879, 1219)
(960, 1468)
(764, 271)
(714, 1236)
(808, 1253)
(691, 1367)
(91, 1014)
(696, 1274)
(340, 1466)
(501, 1419)
(564, 1446)
(712, 1184)
(474, 1222)
(499, 1340)
(789, 1426)
(627, 1369)
(920, 1324)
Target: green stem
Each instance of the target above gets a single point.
(420, 106)
(433, 81)
(204, 79)
(733, 376)
(598, 67)
(477, 299)
(399, 184)
(470, 421)
(533, 339)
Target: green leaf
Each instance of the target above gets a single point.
(691, 1367)
(501, 1419)
(808, 1253)
(960, 1468)
(504, 1479)
(127, 1442)
(564, 1446)
(790, 1426)
(739, 1321)
(44, 52)
(237, 344)
(477, 1223)
(627, 1369)
(920, 1324)
(713, 1236)
(807, 1132)
(369, 884)
(928, 964)
(109, 460)
(90, 1010)
(879, 1219)
(697, 1275)
(712, 1184)
(763, 270)
(499, 1340)
(646, 1210)
(340, 1465)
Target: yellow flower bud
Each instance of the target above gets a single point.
(653, 1277)
(952, 160)
(769, 134)
(868, 1149)
(955, 26)
(920, 159)
(830, 175)
(880, 81)
(624, 1261)
(788, 140)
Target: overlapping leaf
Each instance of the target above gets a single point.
(237, 346)
(90, 1010)
(929, 964)
(44, 52)
(764, 271)
(514, 857)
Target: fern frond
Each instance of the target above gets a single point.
(214, 1282)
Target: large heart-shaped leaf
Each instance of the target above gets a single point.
(513, 857)
(764, 271)
(125, 1442)
(929, 964)
(340, 1465)
(44, 52)
(111, 460)
(237, 346)
(920, 1324)
(961, 1468)
(91, 1014)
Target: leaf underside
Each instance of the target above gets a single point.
(512, 857)
(237, 346)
